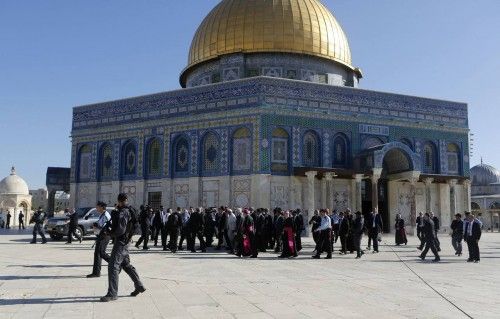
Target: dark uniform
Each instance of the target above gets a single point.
(145, 221)
(156, 227)
(437, 226)
(101, 244)
(120, 256)
(195, 228)
(38, 218)
(457, 228)
(298, 220)
(73, 224)
(430, 239)
(174, 223)
(21, 220)
(344, 230)
(279, 225)
(8, 220)
(471, 236)
(357, 234)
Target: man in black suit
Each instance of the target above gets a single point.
(72, 226)
(157, 226)
(457, 228)
(420, 229)
(437, 226)
(376, 225)
(344, 230)
(472, 234)
(430, 240)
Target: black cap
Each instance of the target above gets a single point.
(122, 197)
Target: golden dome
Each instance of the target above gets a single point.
(250, 26)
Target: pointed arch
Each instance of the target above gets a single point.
(129, 159)
(311, 149)
(430, 158)
(180, 155)
(105, 163)
(241, 150)
(154, 157)
(85, 163)
(210, 153)
(341, 150)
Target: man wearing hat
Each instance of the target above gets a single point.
(121, 231)
(457, 228)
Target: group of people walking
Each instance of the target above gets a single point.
(246, 232)
(243, 232)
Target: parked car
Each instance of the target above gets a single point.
(57, 227)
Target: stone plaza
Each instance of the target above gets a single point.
(48, 281)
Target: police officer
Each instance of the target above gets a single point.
(121, 231)
(38, 218)
(73, 224)
(145, 221)
(102, 240)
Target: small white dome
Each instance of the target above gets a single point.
(13, 185)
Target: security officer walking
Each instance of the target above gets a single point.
(122, 229)
(38, 218)
(102, 241)
(73, 224)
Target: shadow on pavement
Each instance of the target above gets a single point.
(48, 301)
(37, 277)
(50, 266)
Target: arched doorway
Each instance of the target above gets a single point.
(391, 162)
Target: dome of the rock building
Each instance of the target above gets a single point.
(13, 185)
(484, 175)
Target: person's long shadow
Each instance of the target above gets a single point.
(50, 266)
(48, 301)
(37, 277)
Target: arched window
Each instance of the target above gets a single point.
(129, 159)
(210, 153)
(310, 150)
(452, 152)
(279, 150)
(430, 158)
(340, 151)
(242, 149)
(106, 162)
(153, 157)
(407, 142)
(181, 155)
(85, 163)
(371, 142)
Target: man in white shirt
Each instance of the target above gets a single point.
(102, 240)
(325, 237)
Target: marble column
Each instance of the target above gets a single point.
(375, 177)
(453, 199)
(467, 199)
(428, 194)
(413, 204)
(358, 178)
(324, 192)
(330, 190)
(309, 200)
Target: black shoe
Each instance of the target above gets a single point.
(138, 291)
(93, 276)
(81, 240)
(476, 261)
(193, 251)
(281, 256)
(145, 248)
(358, 257)
(32, 242)
(469, 260)
(136, 246)
(421, 257)
(419, 248)
(439, 249)
(108, 298)
(435, 260)
(253, 256)
(180, 248)
(315, 257)
(68, 242)
(328, 257)
(44, 242)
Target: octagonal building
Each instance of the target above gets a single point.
(270, 115)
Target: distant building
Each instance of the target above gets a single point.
(39, 198)
(61, 201)
(485, 192)
(15, 197)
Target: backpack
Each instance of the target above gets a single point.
(133, 224)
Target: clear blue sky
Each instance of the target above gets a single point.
(57, 54)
